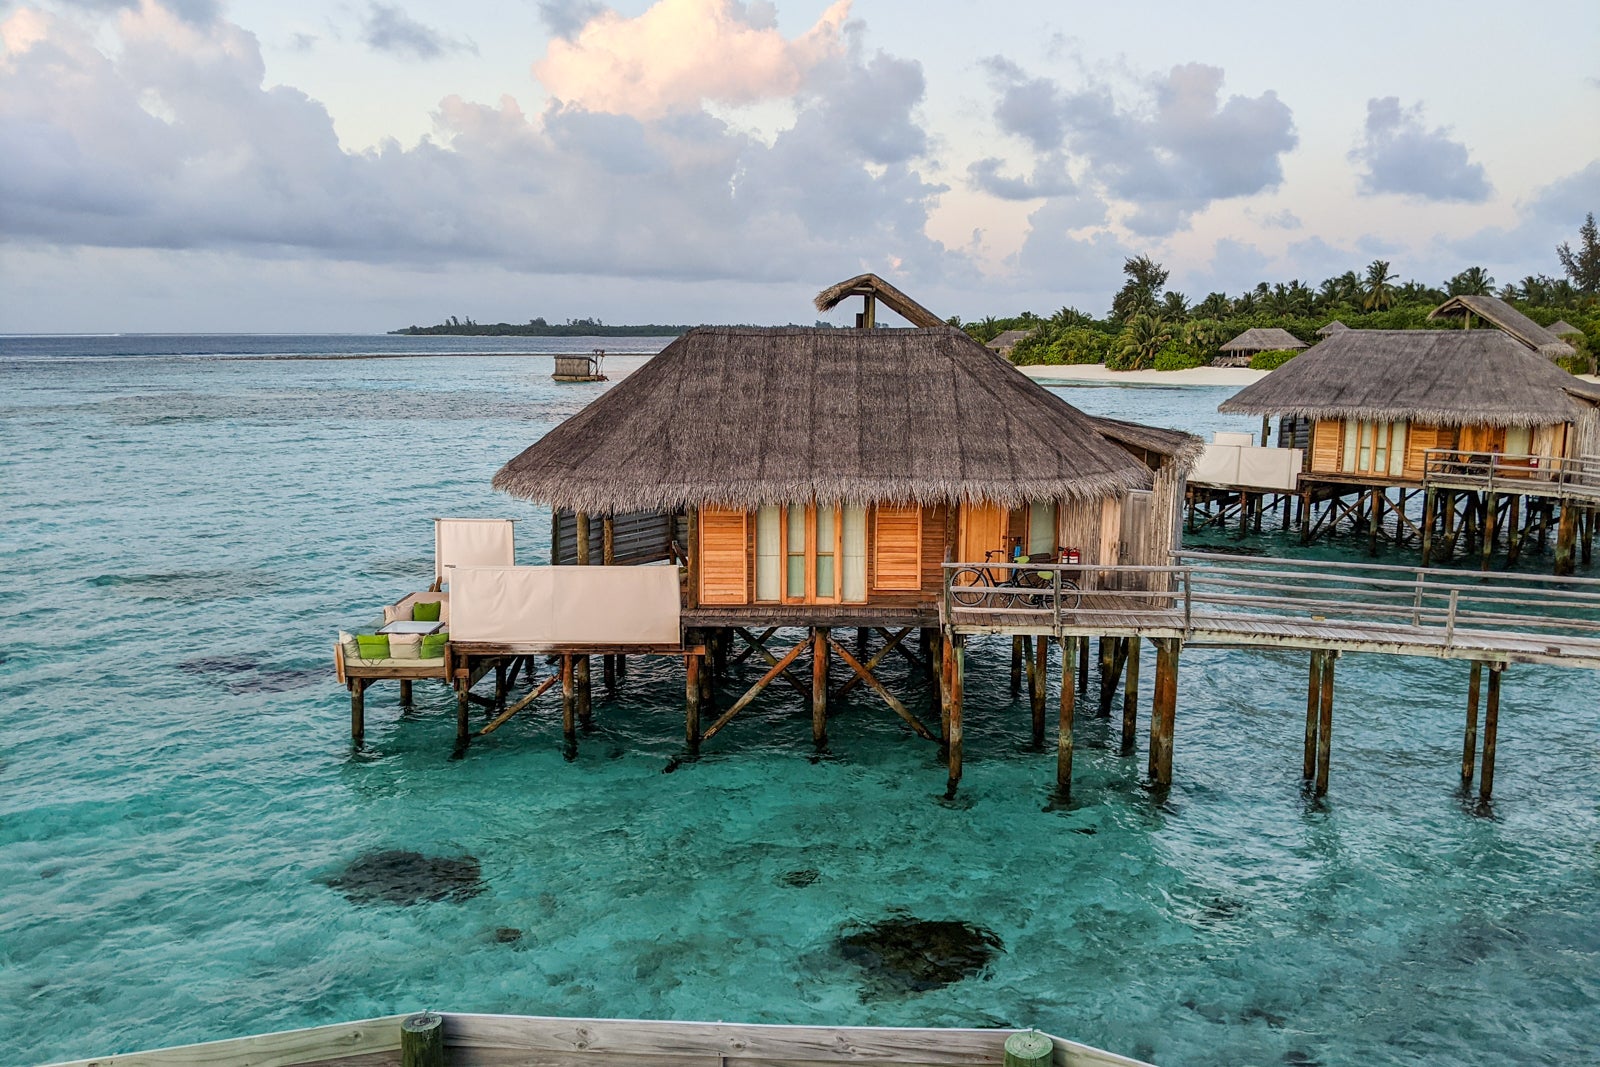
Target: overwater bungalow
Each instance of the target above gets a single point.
(823, 478)
(1495, 434)
(1005, 342)
(1239, 351)
(1490, 310)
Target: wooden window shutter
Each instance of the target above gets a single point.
(898, 540)
(1418, 441)
(1326, 440)
(724, 556)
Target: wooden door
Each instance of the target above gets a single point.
(983, 530)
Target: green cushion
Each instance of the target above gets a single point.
(373, 646)
(425, 611)
(433, 645)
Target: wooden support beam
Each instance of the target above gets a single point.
(743, 702)
(1016, 664)
(1566, 537)
(358, 710)
(609, 665)
(1374, 522)
(505, 716)
(760, 648)
(691, 701)
(866, 675)
(1308, 766)
(819, 685)
(751, 643)
(1130, 697)
(1038, 675)
(919, 662)
(1491, 728)
(463, 703)
(1488, 529)
(1110, 677)
(957, 654)
(1469, 740)
(405, 692)
(1163, 710)
(569, 707)
(942, 647)
(891, 642)
(1429, 505)
(1069, 702)
(1325, 724)
(1083, 666)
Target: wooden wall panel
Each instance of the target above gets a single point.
(897, 545)
(724, 556)
(1327, 444)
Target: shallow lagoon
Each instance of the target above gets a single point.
(178, 796)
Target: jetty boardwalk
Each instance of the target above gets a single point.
(755, 495)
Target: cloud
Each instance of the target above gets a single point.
(1170, 154)
(166, 137)
(386, 28)
(198, 12)
(1049, 178)
(1281, 220)
(1401, 155)
(680, 54)
(565, 18)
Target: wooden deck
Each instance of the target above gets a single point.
(1553, 477)
(555, 1042)
(1236, 601)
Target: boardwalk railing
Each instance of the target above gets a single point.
(1513, 473)
(1260, 601)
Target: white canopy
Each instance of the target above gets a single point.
(550, 607)
(472, 543)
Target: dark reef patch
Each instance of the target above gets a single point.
(904, 955)
(801, 878)
(394, 876)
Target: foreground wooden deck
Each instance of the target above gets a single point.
(534, 1041)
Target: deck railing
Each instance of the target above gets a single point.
(1201, 590)
(1512, 472)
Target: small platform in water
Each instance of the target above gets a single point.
(581, 368)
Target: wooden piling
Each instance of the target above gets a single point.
(1374, 522)
(569, 705)
(1325, 724)
(1083, 665)
(1163, 711)
(422, 1040)
(819, 684)
(1038, 675)
(1308, 765)
(358, 709)
(1130, 698)
(957, 656)
(1429, 506)
(609, 666)
(1111, 674)
(1069, 701)
(1469, 740)
(1488, 529)
(1016, 664)
(691, 701)
(1566, 537)
(1491, 728)
(463, 702)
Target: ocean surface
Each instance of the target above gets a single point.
(190, 848)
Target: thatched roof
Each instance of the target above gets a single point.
(1004, 343)
(1332, 328)
(1170, 444)
(1499, 313)
(745, 416)
(886, 294)
(1264, 339)
(1438, 377)
(1561, 327)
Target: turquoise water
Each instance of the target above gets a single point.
(177, 784)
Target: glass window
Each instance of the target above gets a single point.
(795, 574)
(1351, 431)
(769, 553)
(1397, 450)
(854, 583)
(1042, 529)
(827, 578)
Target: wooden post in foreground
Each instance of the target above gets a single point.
(1469, 740)
(358, 709)
(1130, 698)
(1566, 537)
(1163, 710)
(691, 701)
(1325, 724)
(1491, 727)
(422, 1040)
(1038, 676)
(1069, 706)
(1308, 765)
(463, 698)
(819, 685)
(569, 730)
(956, 654)
(581, 674)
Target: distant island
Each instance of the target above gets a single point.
(540, 328)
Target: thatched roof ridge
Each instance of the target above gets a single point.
(1177, 445)
(886, 294)
(745, 416)
(1264, 339)
(1332, 328)
(1493, 310)
(1561, 327)
(1439, 377)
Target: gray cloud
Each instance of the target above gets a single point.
(1401, 155)
(197, 12)
(1049, 178)
(386, 28)
(565, 18)
(224, 163)
(1170, 155)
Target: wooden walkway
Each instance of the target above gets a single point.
(1555, 477)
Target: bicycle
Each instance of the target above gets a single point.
(975, 587)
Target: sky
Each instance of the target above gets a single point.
(357, 166)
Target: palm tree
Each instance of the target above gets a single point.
(1138, 294)
(1141, 339)
(1175, 306)
(1474, 281)
(1204, 337)
(1067, 317)
(1214, 306)
(1379, 288)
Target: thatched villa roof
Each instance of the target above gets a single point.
(1157, 440)
(1439, 377)
(745, 416)
(1561, 327)
(1004, 343)
(1332, 328)
(886, 294)
(1264, 339)
(1497, 312)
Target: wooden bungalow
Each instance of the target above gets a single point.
(1005, 342)
(825, 477)
(1495, 312)
(1404, 409)
(1239, 351)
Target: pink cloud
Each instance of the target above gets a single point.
(680, 54)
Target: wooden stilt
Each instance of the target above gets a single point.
(1163, 711)
(569, 707)
(1491, 728)
(358, 709)
(1374, 521)
(506, 715)
(865, 674)
(1566, 537)
(1429, 503)
(1016, 664)
(942, 646)
(777, 668)
(1037, 685)
(1308, 765)
(500, 683)
(1469, 740)
(1083, 666)
(609, 665)
(1130, 698)
(1069, 700)
(405, 692)
(1488, 530)
(1588, 535)
(691, 702)
(463, 703)
(1111, 675)
(819, 685)
(1325, 724)
(581, 683)
(953, 737)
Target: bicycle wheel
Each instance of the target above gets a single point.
(1071, 595)
(969, 587)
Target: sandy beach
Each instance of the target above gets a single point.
(1097, 374)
